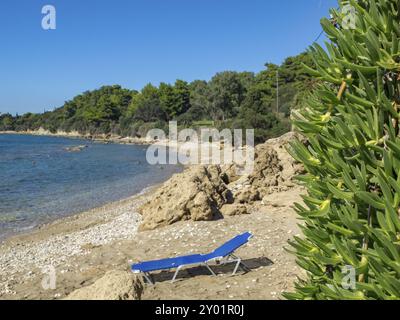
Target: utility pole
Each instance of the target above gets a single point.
(277, 91)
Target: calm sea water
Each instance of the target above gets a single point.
(41, 181)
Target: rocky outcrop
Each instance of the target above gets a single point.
(115, 285)
(274, 170)
(203, 193)
(196, 194)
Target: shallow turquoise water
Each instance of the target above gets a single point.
(41, 181)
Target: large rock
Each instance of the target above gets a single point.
(274, 169)
(248, 194)
(234, 210)
(196, 194)
(115, 285)
(203, 193)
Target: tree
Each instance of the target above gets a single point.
(6, 122)
(148, 106)
(199, 101)
(351, 211)
(254, 115)
(112, 109)
(227, 94)
(294, 82)
(182, 98)
(167, 99)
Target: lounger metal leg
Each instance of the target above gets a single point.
(237, 266)
(176, 274)
(211, 270)
(242, 265)
(148, 278)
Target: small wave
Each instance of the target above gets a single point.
(23, 229)
(18, 158)
(11, 219)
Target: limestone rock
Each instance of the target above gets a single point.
(204, 193)
(233, 210)
(248, 195)
(115, 285)
(196, 194)
(274, 169)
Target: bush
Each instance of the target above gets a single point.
(351, 211)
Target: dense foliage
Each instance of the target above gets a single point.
(228, 100)
(351, 213)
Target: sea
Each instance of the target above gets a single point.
(42, 180)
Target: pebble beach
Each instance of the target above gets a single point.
(24, 256)
(84, 247)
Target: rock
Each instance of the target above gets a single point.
(230, 173)
(274, 169)
(115, 285)
(249, 195)
(75, 148)
(196, 194)
(204, 193)
(233, 210)
(268, 201)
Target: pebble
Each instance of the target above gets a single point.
(197, 237)
(57, 249)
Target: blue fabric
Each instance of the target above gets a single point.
(232, 245)
(172, 263)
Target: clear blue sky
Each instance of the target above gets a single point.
(133, 42)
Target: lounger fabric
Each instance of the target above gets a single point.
(166, 264)
(232, 245)
(172, 263)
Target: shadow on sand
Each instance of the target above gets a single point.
(227, 269)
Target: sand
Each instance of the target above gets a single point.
(83, 248)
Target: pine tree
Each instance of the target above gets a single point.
(351, 216)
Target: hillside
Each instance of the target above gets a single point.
(229, 100)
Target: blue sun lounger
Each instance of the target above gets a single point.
(222, 255)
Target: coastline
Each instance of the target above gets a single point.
(60, 219)
(83, 248)
(63, 223)
(24, 255)
(104, 138)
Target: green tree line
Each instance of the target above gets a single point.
(229, 100)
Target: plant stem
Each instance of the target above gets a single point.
(365, 246)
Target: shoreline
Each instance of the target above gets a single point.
(70, 222)
(75, 135)
(60, 219)
(113, 140)
(56, 243)
(83, 248)
(25, 233)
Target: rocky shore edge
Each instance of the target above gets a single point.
(103, 138)
(203, 198)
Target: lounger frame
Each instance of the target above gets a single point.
(216, 260)
(231, 258)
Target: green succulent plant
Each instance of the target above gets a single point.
(351, 215)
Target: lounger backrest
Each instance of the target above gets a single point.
(232, 245)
